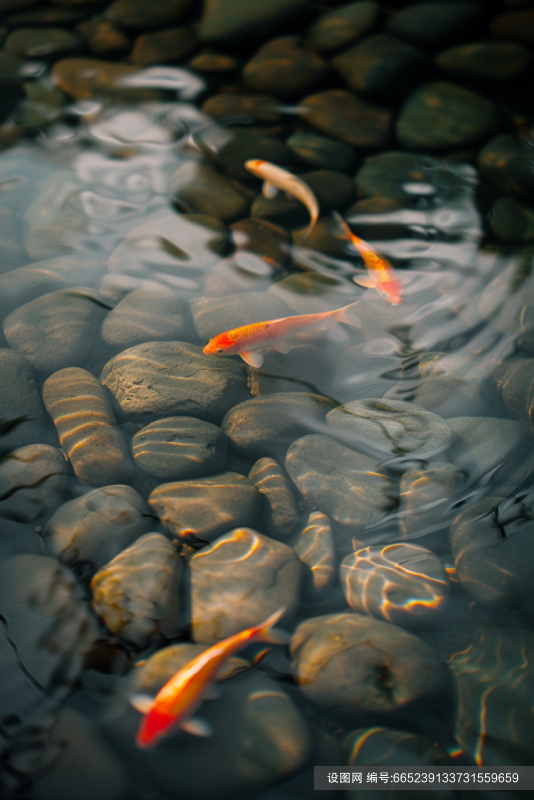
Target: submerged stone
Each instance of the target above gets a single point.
(344, 116)
(514, 26)
(263, 239)
(258, 107)
(139, 14)
(320, 152)
(88, 78)
(41, 42)
(512, 221)
(315, 548)
(234, 21)
(384, 747)
(279, 514)
(285, 67)
(104, 39)
(426, 494)
(21, 408)
(431, 26)
(485, 62)
(214, 315)
(145, 315)
(175, 44)
(33, 481)
(231, 148)
(384, 175)
(343, 25)
(506, 161)
(205, 191)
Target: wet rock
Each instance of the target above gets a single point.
(86, 426)
(41, 43)
(487, 683)
(364, 369)
(382, 747)
(343, 25)
(242, 272)
(145, 316)
(385, 174)
(401, 583)
(137, 14)
(206, 191)
(258, 107)
(286, 67)
(232, 148)
(324, 239)
(442, 116)
(516, 390)
(13, 5)
(204, 508)
(12, 251)
(42, 105)
(88, 532)
(453, 385)
(279, 513)
(344, 116)
(310, 293)
(267, 425)
(425, 498)
(380, 426)
(320, 152)
(49, 15)
(348, 661)
(431, 26)
(512, 221)
(170, 378)
(214, 63)
(514, 26)
(33, 481)
(180, 447)
(506, 162)
(214, 315)
(345, 485)
(104, 39)
(382, 67)
(240, 580)
(21, 409)
(233, 21)
(304, 368)
(261, 238)
(315, 548)
(136, 594)
(485, 63)
(175, 44)
(89, 78)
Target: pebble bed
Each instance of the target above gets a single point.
(375, 481)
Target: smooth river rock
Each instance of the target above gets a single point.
(315, 548)
(426, 495)
(144, 316)
(21, 409)
(33, 481)
(279, 514)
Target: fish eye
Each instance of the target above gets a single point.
(219, 349)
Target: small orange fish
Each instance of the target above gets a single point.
(248, 339)
(381, 275)
(276, 178)
(177, 701)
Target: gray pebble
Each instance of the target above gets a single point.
(315, 548)
(426, 494)
(144, 316)
(21, 409)
(279, 514)
(214, 315)
(33, 481)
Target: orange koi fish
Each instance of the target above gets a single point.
(177, 701)
(276, 178)
(248, 339)
(381, 275)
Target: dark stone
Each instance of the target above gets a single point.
(485, 63)
(324, 238)
(11, 81)
(89, 531)
(258, 107)
(267, 425)
(512, 221)
(104, 39)
(432, 25)
(309, 293)
(285, 67)
(226, 22)
(145, 316)
(345, 485)
(382, 67)
(42, 43)
(305, 368)
(231, 148)
(242, 272)
(47, 16)
(180, 447)
(88, 78)
(507, 162)
(452, 385)
(315, 548)
(262, 238)
(33, 481)
(214, 63)
(514, 26)
(175, 44)
(214, 315)
(202, 509)
(279, 514)
(343, 25)
(344, 116)
(442, 116)
(319, 152)
(238, 581)
(136, 594)
(174, 378)
(206, 191)
(349, 661)
(384, 747)
(138, 14)
(426, 494)
(21, 409)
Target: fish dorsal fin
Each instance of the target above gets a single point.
(196, 727)
(269, 190)
(364, 280)
(142, 702)
(252, 358)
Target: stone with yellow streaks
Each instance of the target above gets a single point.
(426, 493)
(315, 548)
(279, 513)
(86, 426)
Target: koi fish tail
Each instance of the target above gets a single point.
(265, 633)
(348, 315)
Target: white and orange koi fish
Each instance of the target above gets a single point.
(381, 275)
(247, 340)
(176, 702)
(275, 178)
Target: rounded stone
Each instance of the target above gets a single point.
(33, 481)
(517, 391)
(163, 47)
(487, 63)
(320, 152)
(344, 116)
(21, 408)
(380, 426)
(104, 39)
(174, 378)
(258, 107)
(240, 580)
(279, 515)
(41, 42)
(426, 494)
(506, 161)
(203, 509)
(350, 662)
(89, 78)
(231, 22)
(346, 486)
(136, 594)
(315, 548)
(89, 531)
(138, 14)
(343, 25)
(401, 583)
(263, 239)
(145, 315)
(382, 67)
(205, 191)
(267, 425)
(514, 26)
(433, 26)
(286, 67)
(384, 747)
(512, 221)
(384, 175)
(180, 447)
(214, 63)
(214, 315)
(443, 116)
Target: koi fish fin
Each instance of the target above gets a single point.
(344, 228)
(212, 692)
(364, 280)
(269, 190)
(265, 632)
(142, 702)
(282, 347)
(252, 358)
(196, 727)
(348, 315)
